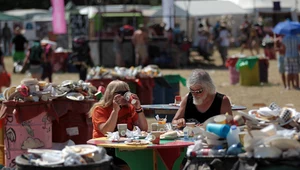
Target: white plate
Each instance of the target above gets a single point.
(248, 116)
(83, 149)
(75, 96)
(142, 142)
(258, 118)
(41, 151)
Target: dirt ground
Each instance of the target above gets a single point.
(239, 95)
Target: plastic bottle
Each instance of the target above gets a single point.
(208, 152)
(186, 132)
(233, 136)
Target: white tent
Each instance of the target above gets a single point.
(250, 4)
(210, 8)
(265, 5)
(26, 13)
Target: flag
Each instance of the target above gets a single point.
(58, 17)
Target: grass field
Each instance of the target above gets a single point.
(239, 95)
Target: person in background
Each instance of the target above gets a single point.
(201, 43)
(224, 42)
(254, 40)
(291, 44)
(20, 43)
(245, 34)
(6, 36)
(112, 110)
(279, 47)
(202, 101)
(81, 56)
(47, 66)
(35, 57)
(140, 42)
(117, 47)
(2, 66)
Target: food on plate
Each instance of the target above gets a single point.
(137, 142)
(263, 115)
(169, 134)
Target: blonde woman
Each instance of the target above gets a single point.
(113, 109)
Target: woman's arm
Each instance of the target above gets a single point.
(226, 106)
(111, 123)
(142, 121)
(179, 117)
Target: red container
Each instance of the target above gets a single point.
(144, 90)
(77, 128)
(73, 121)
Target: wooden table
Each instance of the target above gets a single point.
(167, 155)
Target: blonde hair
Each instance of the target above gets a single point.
(107, 99)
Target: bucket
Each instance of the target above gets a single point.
(33, 133)
(249, 77)
(249, 71)
(234, 75)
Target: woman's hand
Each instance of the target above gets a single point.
(116, 102)
(180, 122)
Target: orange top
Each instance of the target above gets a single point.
(101, 115)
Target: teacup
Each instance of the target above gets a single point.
(122, 129)
(155, 137)
(154, 126)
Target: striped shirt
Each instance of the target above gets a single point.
(291, 43)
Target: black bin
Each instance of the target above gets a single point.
(104, 164)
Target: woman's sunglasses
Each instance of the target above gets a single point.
(197, 91)
(121, 92)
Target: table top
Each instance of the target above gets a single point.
(104, 142)
(176, 107)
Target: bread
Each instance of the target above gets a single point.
(169, 134)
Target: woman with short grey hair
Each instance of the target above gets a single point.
(202, 101)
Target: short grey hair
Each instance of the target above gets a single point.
(201, 77)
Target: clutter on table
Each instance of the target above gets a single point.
(122, 72)
(32, 90)
(266, 132)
